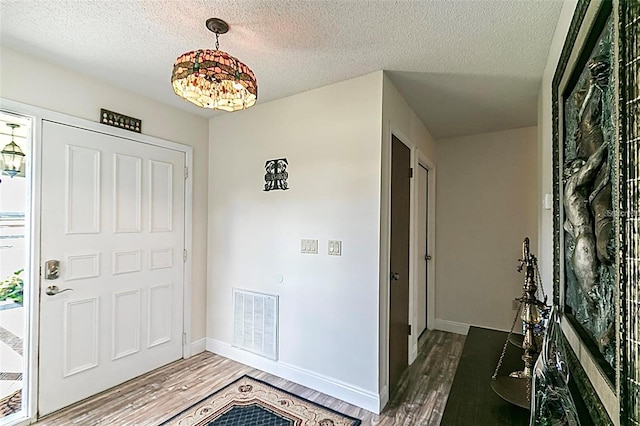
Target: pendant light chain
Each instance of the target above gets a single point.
(506, 343)
(217, 42)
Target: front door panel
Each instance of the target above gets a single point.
(113, 216)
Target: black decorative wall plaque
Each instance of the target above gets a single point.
(122, 121)
(276, 174)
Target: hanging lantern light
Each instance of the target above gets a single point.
(12, 155)
(214, 79)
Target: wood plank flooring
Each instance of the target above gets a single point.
(150, 399)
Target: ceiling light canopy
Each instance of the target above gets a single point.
(213, 78)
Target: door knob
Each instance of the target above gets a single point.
(52, 290)
(427, 257)
(395, 276)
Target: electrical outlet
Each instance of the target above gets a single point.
(335, 248)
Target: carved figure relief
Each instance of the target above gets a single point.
(587, 198)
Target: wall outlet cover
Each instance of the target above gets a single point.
(335, 248)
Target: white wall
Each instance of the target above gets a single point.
(398, 119)
(31, 81)
(487, 204)
(545, 145)
(328, 305)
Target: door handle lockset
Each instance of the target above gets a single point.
(395, 276)
(427, 257)
(52, 290)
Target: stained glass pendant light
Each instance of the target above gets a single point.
(213, 78)
(12, 155)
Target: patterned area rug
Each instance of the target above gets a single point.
(252, 402)
(11, 403)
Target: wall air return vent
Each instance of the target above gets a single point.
(255, 322)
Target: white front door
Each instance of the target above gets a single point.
(112, 214)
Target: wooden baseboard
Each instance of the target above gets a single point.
(452, 326)
(352, 394)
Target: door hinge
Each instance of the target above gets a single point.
(186, 172)
(411, 172)
(409, 329)
(184, 338)
(184, 255)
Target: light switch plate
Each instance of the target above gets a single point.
(309, 246)
(335, 248)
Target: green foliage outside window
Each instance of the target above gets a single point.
(11, 287)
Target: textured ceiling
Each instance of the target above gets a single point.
(464, 66)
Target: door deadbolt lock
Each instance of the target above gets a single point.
(51, 269)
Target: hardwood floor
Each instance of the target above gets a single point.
(150, 399)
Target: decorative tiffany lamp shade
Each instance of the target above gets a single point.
(213, 78)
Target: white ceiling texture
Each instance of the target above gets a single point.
(464, 66)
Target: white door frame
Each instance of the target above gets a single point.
(38, 115)
(422, 160)
(419, 158)
(31, 294)
(385, 254)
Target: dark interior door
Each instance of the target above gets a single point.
(399, 280)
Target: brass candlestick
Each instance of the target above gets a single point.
(531, 316)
